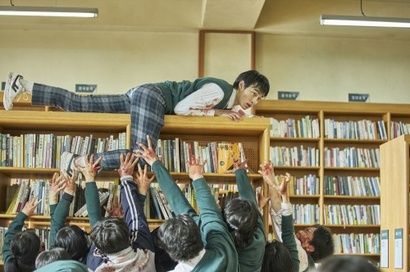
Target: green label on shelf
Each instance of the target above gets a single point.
(3, 85)
(354, 97)
(288, 95)
(85, 88)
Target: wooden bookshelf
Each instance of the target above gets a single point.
(253, 133)
(342, 113)
(395, 174)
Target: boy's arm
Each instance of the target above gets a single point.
(172, 192)
(15, 227)
(288, 239)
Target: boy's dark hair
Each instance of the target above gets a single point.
(73, 239)
(110, 235)
(52, 255)
(277, 258)
(24, 248)
(241, 217)
(347, 263)
(253, 78)
(163, 262)
(180, 237)
(323, 243)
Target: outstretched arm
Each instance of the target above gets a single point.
(172, 192)
(133, 212)
(92, 198)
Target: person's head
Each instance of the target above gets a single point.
(253, 86)
(241, 217)
(277, 258)
(180, 237)
(341, 263)
(317, 241)
(24, 248)
(52, 255)
(110, 235)
(163, 262)
(73, 239)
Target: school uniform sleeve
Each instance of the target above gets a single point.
(172, 192)
(289, 240)
(58, 219)
(251, 257)
(92, 200)
(201, 102)
(134, 215)
(14, 228)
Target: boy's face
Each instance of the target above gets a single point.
(305, 236)
(248, 97)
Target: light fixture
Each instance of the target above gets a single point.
(48, 11)
(338, 20)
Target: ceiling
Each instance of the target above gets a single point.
(288, 17)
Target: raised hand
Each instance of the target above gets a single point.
(58, 183)
(196, 168)
(127, 165)
(90, 169)
(69, 182)
(142, 180)
(146, 152)
(31, 205)
(116, 208)
(268, 173)
(238, 164)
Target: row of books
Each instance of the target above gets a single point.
(399, 128)
(357, 243)
(358, 130)
(219, 156)
(294, 156)
(44, 150)
(352, 186)
(306, 214)
(305, 127)
(352, 157)
(22, 190)
(352, 214)
(305, 185)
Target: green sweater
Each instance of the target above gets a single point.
(251, 258)
(14, 228)
(288, 239)
(220, 252)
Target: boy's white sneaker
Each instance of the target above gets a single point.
(12, 89)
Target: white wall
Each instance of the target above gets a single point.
(327, 69)
(115, 61)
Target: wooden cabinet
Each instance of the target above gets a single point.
(395, 176)
(338, 145)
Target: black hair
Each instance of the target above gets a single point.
(241, 217)
(277, 258)
(110, 235)
(52, 255)
(73, 239)
(341, 263)
(322, 241)
(180, 237)
(163, 262)
(24, 248)
(253, 78)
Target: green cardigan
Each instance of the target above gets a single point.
(220, 252)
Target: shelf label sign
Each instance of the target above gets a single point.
(354, 97)
(288, 95)
(398, 248)
(3, 85)
(85, 88)
(384, 249)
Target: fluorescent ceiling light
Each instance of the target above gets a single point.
(364, 21)
(48, 11)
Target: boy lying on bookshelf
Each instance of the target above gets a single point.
(313, 243)
(181, 235)
(149, 103)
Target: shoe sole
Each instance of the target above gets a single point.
(11, 85)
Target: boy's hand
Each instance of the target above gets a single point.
(146, 153)
(196, 168)
(91, 168)
(57, 184)
(31, 205)
(142, 180)
(127, 165)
